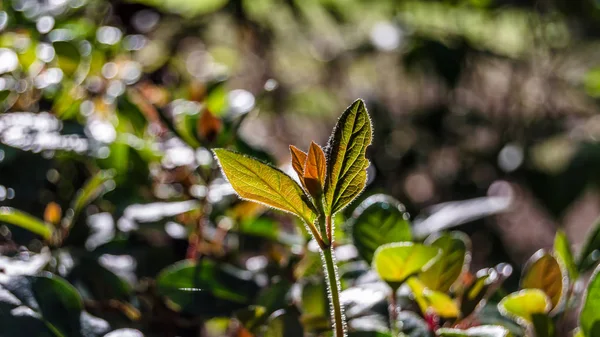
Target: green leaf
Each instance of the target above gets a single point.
(206, 288)
(473, 296)
(48, 297)
(68, 56)
(378, 220)
(544, 272)
(92, 189)
(15, 217)
(543, 325)
(589, 319)
(562, 250)
(346, 161)
(522, 305)
(478, 331)
(455, 258)
(436, 301)
(395, 262)
(590, 253)
(284, 323)
(100, 282)
(265, 184)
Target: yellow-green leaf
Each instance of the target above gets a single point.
(314, 170)
(395, 262)
(346, 161)
(545, 273)
(442, 304)
(29, 222)
(562, 250)
(265, 184)
(455, 248)
(522, 305)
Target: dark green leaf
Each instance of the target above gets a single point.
(68, 56)
(590, 253)
(589, 319)
(206, 288)
(284, 323)
(543, 325)
(378, 220)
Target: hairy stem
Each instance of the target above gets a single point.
(339, 321)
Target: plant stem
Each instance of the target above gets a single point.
(339, 321)
(393, 310)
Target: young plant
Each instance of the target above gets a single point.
(331, 178)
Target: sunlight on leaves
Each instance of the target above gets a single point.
(395, 262)
(544, 272)
(522, 305)
(455, 257)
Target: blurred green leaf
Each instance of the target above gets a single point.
(378, 220)
(15, 217)
(184, 7)
(284, 323)
(206, 288)
(478, 331)
(589, 318)
(562, 250)
(431, 300)
(590, 252)
(252, 317)
(68, 56)
(395, 262)
(455, 257)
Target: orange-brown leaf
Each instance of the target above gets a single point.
(314, 170)
(298, 160)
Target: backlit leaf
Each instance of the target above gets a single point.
(395, 262)
(589, 253)
(427, 299)
(544, 272)
(562, 250)
(522, 305)
(378, 220)
(15, 217)
(298, 160)
(455, 248)
(346, 161)
(473, 296)
(265, 184)
(477, 331)
(314, 170)
(589, 319)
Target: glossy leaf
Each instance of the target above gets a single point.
(15, 217)
(396, 262)
(562, 250)
(427, 299)
(478, 331)
(522, 305)
(207, 288)
(314, 170)
(544, 272)
(346, 161)
(265, 184)
(455, 257)
(378, 220)
(589, 319)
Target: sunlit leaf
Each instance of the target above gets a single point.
(562, 249)
(15, 217)
(378, 220)
(522, 305)
(346, 161)
(473, 296)
(478, 331)
(455, 257)
(314, 170)
(395, 262)
(298, 161)
(427, 299)
(589, 319)
(265, 184)
(544, 272)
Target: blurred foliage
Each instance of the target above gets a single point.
(115, 220)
